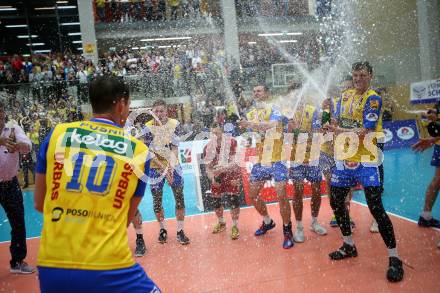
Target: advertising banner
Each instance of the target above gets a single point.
(402, 133)
(425, 92)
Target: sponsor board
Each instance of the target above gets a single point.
(398, 134)
(425, 92)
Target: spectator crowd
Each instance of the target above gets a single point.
(154, 10)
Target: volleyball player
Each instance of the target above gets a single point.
(87, 188)
(162, 139)
(265, 120)
(360, 114)
(224, 174)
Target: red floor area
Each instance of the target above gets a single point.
(214, 263)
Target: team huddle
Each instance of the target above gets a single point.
(89, 192)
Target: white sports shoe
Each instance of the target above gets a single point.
(299, 235)
(318, 229)
(374, 227)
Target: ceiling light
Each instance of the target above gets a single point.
(45, 8)
(66, 7)
(70, 23)
(288, 41)
(74, 34)
(35, 44)
(270, 34)
(27, 36)
(294, 34)
(42, 51)
(166, 39)
(62, 2)
(80, 48)
(252, 43)
(77, 42)
(8, 9)
(173, 38)
(15, 25)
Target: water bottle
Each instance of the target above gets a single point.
(325, 117)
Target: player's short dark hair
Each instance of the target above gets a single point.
(159, 102)
(105, 91)
(362, 65)
(265, 87)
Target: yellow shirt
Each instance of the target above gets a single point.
(91, 177)
(35, 138)
(268, 153)
(160, 139)
(307, 119)
(362, 111)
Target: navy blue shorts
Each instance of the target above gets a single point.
(301, 172)
(129, 280)
(349, 174)
(157, 179)
(326, 162)
(435, 161)
(277, 171)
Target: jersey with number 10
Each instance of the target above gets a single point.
(92, 171)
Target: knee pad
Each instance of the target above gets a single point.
(216, 202)
(234, 201)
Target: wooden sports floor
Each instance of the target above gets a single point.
(214, 263)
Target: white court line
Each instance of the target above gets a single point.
(393, 214)
(173, 218)
(248, 207)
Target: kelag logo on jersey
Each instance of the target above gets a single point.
(185, 156)
(405, 133)
(85, 139)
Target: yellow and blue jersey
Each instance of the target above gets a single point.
(308, 122)
(360, 111)
(93, 169)
(269, 152)
(161, 138)
(334, 109)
